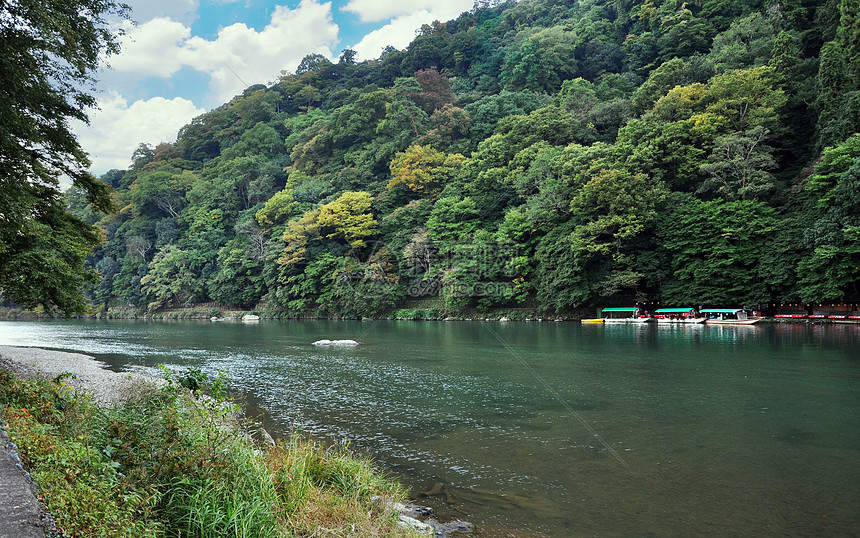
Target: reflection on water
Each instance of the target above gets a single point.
(727, 429)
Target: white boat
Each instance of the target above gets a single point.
(729, 316)
(623, 314)
(687, 315)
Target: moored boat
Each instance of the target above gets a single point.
(729, 316)
(844, 316)
(678, 315)
(623, 314)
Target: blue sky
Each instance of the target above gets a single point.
(184, 57)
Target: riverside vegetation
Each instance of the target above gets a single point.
(538, 154)
(167, 462)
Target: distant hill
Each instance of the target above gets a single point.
(547, 153)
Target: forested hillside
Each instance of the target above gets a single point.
(543, 153)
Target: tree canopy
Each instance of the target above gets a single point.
(48, 53)
(543, 153)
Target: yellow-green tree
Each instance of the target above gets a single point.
(349, 217)
(297, 236)
(423, 170)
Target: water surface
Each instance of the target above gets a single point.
(550, 429)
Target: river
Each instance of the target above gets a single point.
(549, 429)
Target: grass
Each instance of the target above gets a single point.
(167, 462)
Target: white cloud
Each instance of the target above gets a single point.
(118, 128)
(150, 48)
(256, 57)
(401, 31)
(181, 10)
(374, 10)
(398, 33)
(161, 47)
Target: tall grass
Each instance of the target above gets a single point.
(168, 462)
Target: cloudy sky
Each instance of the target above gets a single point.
(181, 58)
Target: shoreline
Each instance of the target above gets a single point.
(201, 314)
(107, 387)
(89, 374)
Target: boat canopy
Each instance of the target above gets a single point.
(721, 310)
(673, 310)
(621, 309)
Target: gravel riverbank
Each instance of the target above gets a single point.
(90, 375)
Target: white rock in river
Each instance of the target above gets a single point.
(335, 343)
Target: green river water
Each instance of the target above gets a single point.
(549, 429)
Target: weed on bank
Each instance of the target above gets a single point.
(167, 462)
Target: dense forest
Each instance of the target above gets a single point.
(544, 153)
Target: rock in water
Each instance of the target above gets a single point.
(335, 343)
(444, 529)
(437, 489)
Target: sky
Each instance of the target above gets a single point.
(181, 58)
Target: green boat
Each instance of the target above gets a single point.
(623, 314)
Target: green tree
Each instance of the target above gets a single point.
(312, 62)
(672, 152)
(831, 273)
(487, 111)
(48, 55)
(747, 98)
(161, 191)
(714, 250)
(559, 278)
(848, 34)
(170, 281)
(835, 162)
(683, 34)
(747, 43)
(740, 165)
(660, 81)
(838, 97)
(298, 235)
(449, 130)
(261, 139)
(365, 287)
(611, 212)
(405, 121)
(832, 270)
(452, 219)
(786, 58)
(239, 279)
(302, 291)
(278, 209)
(542, 61)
